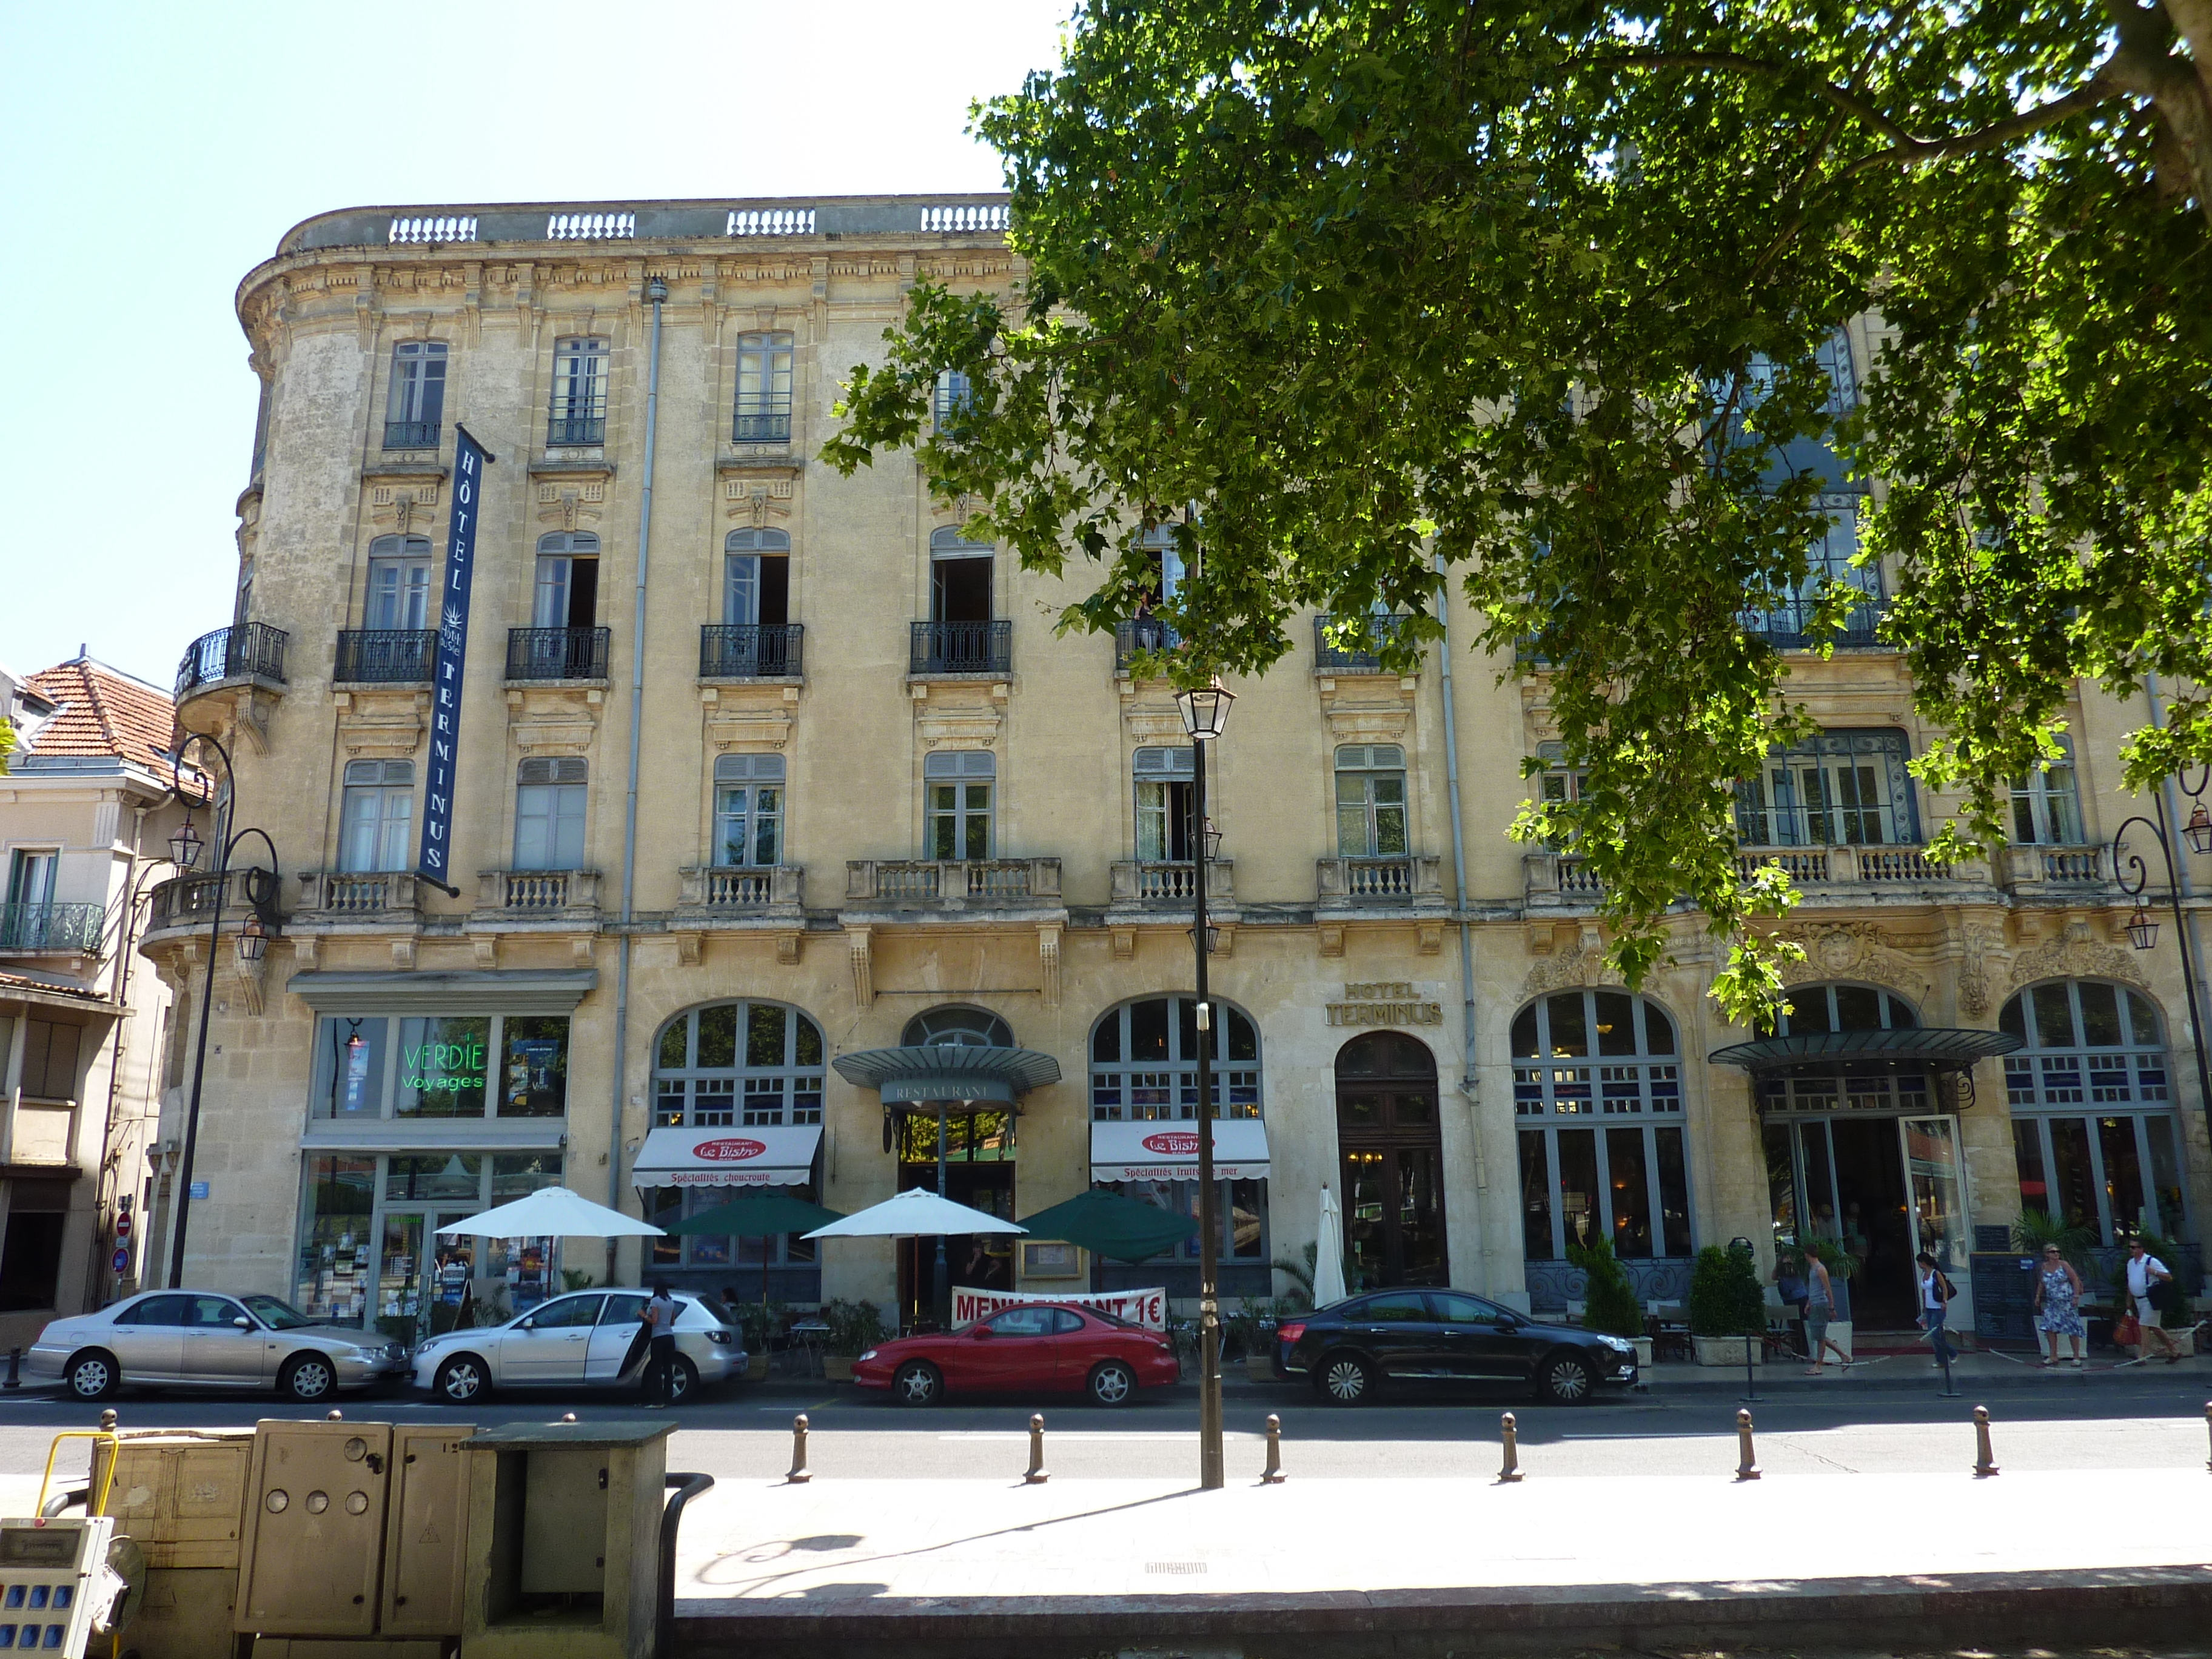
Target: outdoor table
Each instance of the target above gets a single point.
(807, 1341)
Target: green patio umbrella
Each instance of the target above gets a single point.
(1107, 1223)
(758, 1213)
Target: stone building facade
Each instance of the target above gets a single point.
(881, 805)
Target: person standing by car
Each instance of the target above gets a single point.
(660, 1319)
(2148, 1278)
(1935, 1293)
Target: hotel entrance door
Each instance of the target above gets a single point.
(1883, 1188)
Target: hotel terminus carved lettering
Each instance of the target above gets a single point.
(1384, 1002)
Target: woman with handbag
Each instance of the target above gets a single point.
(2058, 1305)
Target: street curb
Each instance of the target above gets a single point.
(2113, 1606)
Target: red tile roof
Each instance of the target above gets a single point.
(104, 712)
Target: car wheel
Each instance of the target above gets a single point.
(93, 1374)
(1565, 1379)
(1345, 1379)
(916, 1384)
(682, 1377)
(461, 1379)
(1111, 1384)
(307, 1377)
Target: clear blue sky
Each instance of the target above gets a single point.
(150, 155)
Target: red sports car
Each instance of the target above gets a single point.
(1036, 1347)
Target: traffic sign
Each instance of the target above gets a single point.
(123, 1224)
(121, 1259)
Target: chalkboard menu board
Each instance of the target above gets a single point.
(2004, 1297)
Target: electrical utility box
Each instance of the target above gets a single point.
(51, 1575)
(426, 1531)
(312, 1557)
(181, 1498)
(564, 1540)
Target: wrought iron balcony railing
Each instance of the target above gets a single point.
(1341, 659)
(1141, 633)
(556, 653)
(53, 927)
(748, 650)
(762, 418)
(1787, 627)
(253, 652)
(386, 656)
(980, 648)
(410, 435)
(572, 429)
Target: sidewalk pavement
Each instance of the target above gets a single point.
(868, 1566)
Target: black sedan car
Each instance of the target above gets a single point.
(1348, 1348)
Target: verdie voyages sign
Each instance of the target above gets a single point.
(470, 459)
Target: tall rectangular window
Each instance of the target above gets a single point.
(960, 785)
(31, 880)
(549, 813)
(1370, 800)
(2047, 804)
(748, 811)
(1165, 785)
(1840, 789)
(953, 395)
(763, 413)
(417, 401)
(377, 822)
(579, 393)
(398, 582)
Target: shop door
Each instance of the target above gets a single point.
(979, 1261)
(449, 1265)
(1884, 1188)
(1390, 1151)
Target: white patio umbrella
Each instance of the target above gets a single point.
(552, 1212)
(1328, 1252)
(914, 1213)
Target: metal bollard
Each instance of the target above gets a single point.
(1035, 1475)
(567, 1417)
(1747, 1467)
(107, 1419)
(15, 1368)
(1509, 1433)
(2208, 1425)
(336, 1416)
(800, 1474)
(1272, 1474)
(1985, 1461)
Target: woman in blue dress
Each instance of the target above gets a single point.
(2058, 1305)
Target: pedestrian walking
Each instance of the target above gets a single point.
(1820, 1308)
(2059, 1306)
(1935, 1293)
(2151, 1284)
(660, 1319)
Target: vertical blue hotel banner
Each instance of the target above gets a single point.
(470, 459)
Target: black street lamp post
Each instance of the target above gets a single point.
(2134, 876)
(1205, 713)
(261, 891)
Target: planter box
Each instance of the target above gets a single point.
(1259, 1367)
(2185, 1341)
(1642, 1352)
(837, 1367)
(1720, 1350)
(756, 1367)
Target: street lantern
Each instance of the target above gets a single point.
(2142, 932)
(1213, 838)
(1204, 709)
(2198, 829)
(252, 940)
(185, 846)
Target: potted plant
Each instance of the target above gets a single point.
(1727, 1306)
(1610, 1304)
(760, 1321)
(854, 1327)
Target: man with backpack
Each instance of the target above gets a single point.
(2150, 1286)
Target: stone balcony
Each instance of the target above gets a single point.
(710, 896)
(237, 669)
(1411, 881)
(1847, 874)
(952, 884)
(565, 899)
(380, 898)
(1172, 885)
(2053, 872)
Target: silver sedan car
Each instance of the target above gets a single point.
(589, 1339)
(208, 1340)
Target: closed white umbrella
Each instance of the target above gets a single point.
(553, 1212)
(914, 1213)
(1328, 1252)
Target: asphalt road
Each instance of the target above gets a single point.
(2131, 1420)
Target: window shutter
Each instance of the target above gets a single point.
(739, 768)
(1161, 765)
(551, 769)
(950, 543)
(962, 763)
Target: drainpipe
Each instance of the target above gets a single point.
(1467, 1086)
(657, 291)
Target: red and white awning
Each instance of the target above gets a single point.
(1169, 1150)
(783, 1156)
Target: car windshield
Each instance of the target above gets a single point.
(275, 1315)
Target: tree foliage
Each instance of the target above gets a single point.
(1534, 289)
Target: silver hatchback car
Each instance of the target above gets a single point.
(586, 1340)
(208, 1340)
